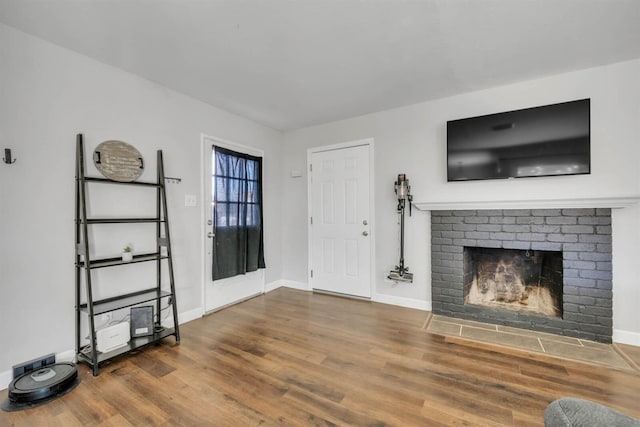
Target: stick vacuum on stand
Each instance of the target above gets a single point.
(402, 189)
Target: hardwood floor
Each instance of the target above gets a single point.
(295, 358)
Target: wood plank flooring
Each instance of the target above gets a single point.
(294, 358)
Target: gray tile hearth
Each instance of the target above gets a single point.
(539, 342)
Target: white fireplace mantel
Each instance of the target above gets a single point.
(565, 203)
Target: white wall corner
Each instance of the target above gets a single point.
(287, 284)
(403, 302)
(188, 316)
(626, 337)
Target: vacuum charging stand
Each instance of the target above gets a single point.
(402, 189)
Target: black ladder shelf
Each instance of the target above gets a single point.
(85, 264)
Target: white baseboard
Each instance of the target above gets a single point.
(5, 378)
(626, 337)
(287, 284)
(403, 302)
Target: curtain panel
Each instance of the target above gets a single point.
(238, 244)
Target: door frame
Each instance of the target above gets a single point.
(206, 141)
(372, 251)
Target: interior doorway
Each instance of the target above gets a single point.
(340, 218)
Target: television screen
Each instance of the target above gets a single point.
(540, 141)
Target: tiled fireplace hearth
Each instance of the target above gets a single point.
(473, 278)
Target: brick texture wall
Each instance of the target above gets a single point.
(583, 236)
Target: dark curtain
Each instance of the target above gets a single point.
(238, 245)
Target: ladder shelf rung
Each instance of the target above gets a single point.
(111, 262)
(123, 301)
(110, 181)
(122, 220)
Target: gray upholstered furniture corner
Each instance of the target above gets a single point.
(573, 412)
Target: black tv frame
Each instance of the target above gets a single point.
(575, 149)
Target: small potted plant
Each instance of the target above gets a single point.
(127, 255)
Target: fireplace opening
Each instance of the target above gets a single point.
(513, 279)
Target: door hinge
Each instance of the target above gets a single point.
(312, 273)
(310, 167)
(311, 220)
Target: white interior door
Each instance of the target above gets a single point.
(340, 225)
(220, 293)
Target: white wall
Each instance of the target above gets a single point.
(47, 95)
(412, 140)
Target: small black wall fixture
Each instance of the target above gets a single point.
(7, 157)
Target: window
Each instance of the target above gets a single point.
(237, 214)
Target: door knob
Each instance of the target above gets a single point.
(365, 233)
(211, 235)
(364, 222)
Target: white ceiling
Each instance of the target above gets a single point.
(294, 63)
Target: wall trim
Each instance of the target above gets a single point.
(418, 304)
(626, 337)
(587, 202)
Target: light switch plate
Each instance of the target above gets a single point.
(190, 200)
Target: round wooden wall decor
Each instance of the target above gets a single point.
(118, 161)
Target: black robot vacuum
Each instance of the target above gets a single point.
(40, 386)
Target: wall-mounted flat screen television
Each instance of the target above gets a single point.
(541, 141)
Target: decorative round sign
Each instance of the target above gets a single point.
(118, 161)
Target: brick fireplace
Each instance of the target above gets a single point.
(580, 241)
